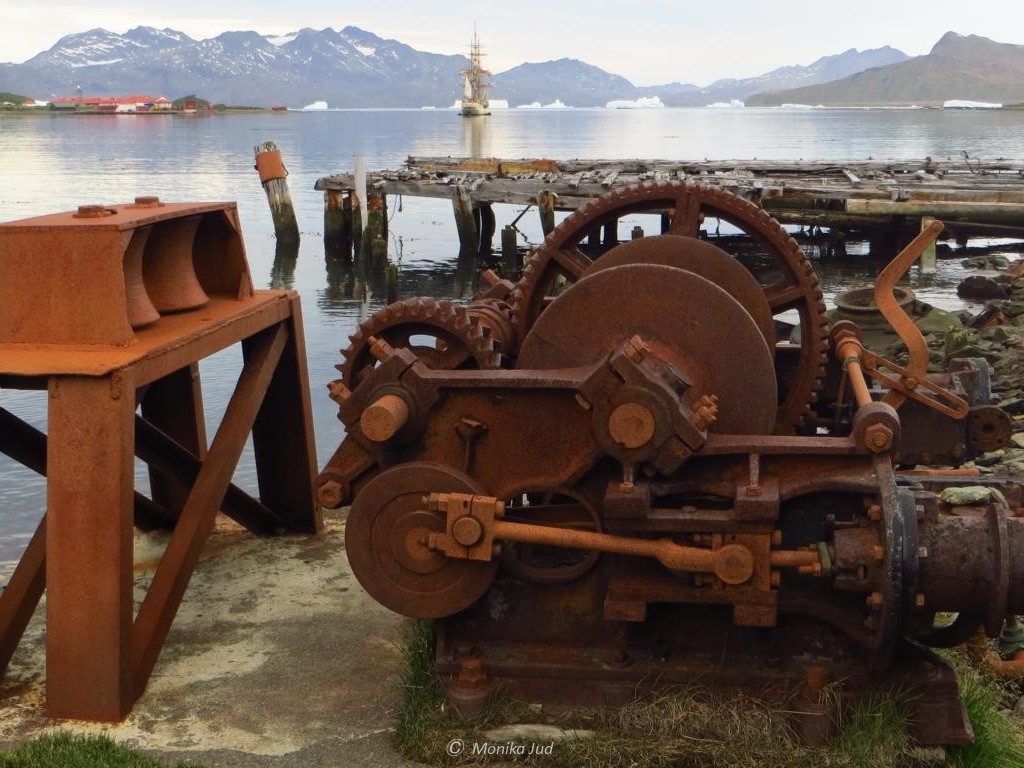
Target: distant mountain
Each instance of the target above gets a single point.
(351, 68)
(824, 70)
(958, 67)
(347, 68)
(569, 80)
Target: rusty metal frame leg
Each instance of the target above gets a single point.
(90, 481)
(21, 595)
(174, 404)
(283, 436)
(197, 517)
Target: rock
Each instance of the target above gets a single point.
(536, 733)
(937, 321)
(978, 287)
(989, 459)
(967, 495)
(993, 261)
(1001, 334)
(1013, 405)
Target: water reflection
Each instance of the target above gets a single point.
(476, 137)
(282, 272)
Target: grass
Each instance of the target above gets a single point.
(998, 739)
(65, 750)
(694, 728)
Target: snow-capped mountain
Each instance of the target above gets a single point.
(346, 68)
(824, 70)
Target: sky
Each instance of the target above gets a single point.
(650, 42)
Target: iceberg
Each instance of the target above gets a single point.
(644, 102)
(964, 104)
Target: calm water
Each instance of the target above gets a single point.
(52, 163)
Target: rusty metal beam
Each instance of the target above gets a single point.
(196, 521)
(21, 595)
(89, 565)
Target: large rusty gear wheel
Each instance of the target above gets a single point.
(560, 256)
(459, 340)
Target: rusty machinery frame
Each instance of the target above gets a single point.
(614, 468)
(110, 309)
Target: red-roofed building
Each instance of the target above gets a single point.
(123, 104)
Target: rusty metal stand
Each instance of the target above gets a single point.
(99, 654)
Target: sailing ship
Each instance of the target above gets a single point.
(474, 83)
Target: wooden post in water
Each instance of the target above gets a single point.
(273, 176)
(469, 236)
(376, 220)
(611, 233)
(928, 265)
(337, 226)
(358, 207)
(487, 227)
(546, 208)
(391, 283)
(509, 252)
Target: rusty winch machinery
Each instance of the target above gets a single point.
(651, 465)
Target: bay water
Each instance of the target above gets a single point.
(52, 163)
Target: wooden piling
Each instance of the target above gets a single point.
(928, 265)
(273, 176)
(376, 220)
(487, 226)
(379, 255)
(546, 208)
(611, 234)
(509, 252)
(337, 230)
(391, 283)
(356, 214)
(469, 235)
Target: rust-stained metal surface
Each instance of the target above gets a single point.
(110, 308)
(613, 473)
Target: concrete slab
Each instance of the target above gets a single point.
(276, 658)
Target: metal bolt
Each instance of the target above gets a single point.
(875, 600)
(874, 512)
(338, 392)
(919, 600)
(878, 553)
(330, 494)
(922, 552)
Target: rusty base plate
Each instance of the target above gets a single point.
(576, 660)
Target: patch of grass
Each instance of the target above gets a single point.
(65, 750)
(998, 736)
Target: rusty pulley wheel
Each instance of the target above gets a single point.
(442, 334)
(702, 258)
(560, 260)
(687, 321)
(386, 541)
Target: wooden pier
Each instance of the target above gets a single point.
(883, 201)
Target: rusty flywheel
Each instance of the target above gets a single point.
(560, 260)
(387, 536)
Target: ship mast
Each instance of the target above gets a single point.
(475, 76)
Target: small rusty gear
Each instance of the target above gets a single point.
(559, 259)
(455, 338)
